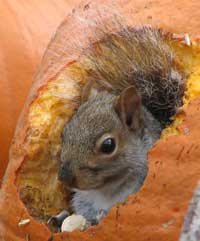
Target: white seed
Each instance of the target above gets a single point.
(187, 39)
(73, 222)
(23, 222)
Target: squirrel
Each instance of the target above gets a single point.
(136, 85)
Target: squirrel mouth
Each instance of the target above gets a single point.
(114, 178)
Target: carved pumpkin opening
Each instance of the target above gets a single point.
(37, 182)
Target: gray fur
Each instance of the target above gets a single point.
(95, 196)
(144, 58)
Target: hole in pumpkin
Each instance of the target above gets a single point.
(37, 182)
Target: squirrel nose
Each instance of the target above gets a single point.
(65, 175)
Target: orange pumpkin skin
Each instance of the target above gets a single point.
(25, 31)
(156, 213)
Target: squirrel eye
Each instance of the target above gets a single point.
(108, 146)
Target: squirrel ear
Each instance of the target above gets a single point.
(128, 107)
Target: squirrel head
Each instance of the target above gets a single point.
(103, 142)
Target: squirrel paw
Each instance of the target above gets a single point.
(55, 222)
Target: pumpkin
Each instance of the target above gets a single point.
(31, 193)
(25, 31)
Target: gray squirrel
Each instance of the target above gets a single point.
(136, 85)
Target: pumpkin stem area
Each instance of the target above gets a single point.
(36, 179)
